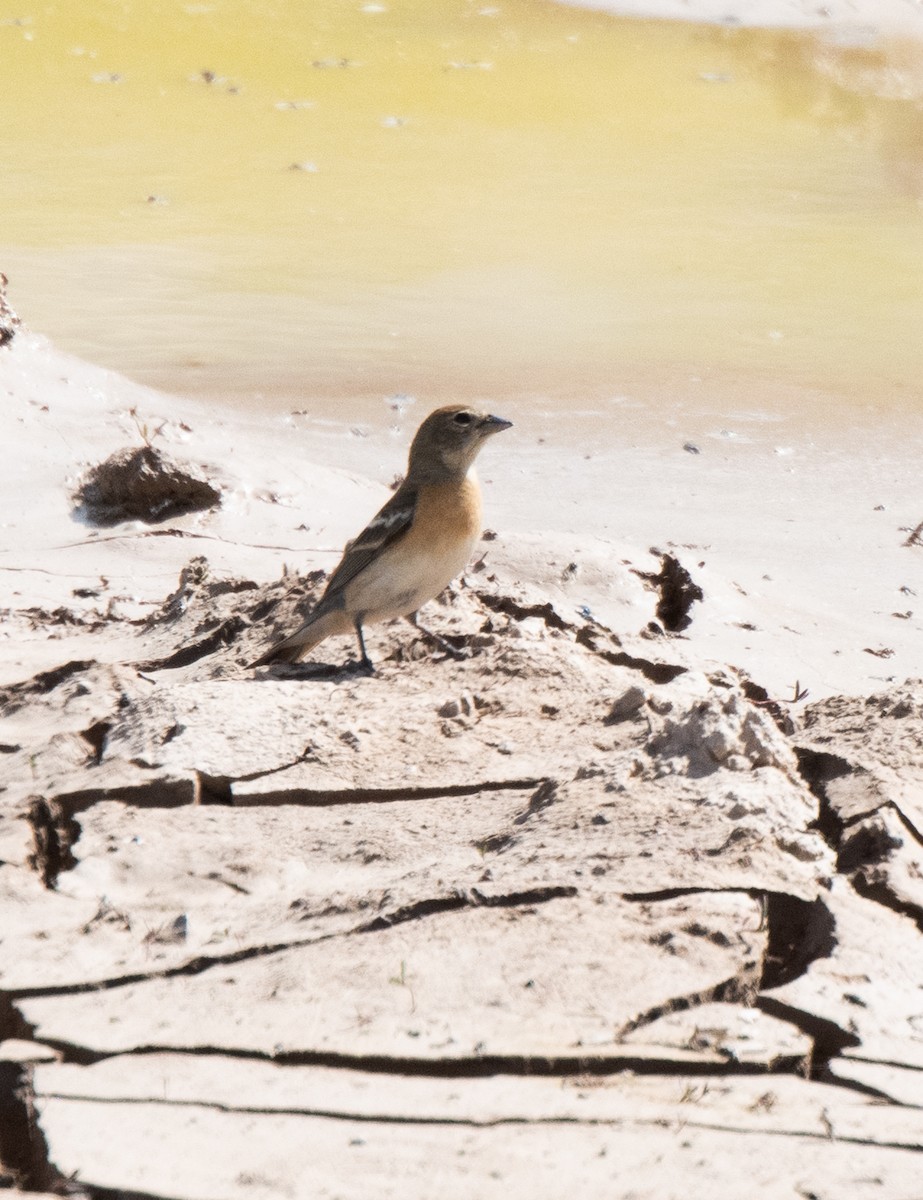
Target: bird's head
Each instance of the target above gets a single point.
(448, 441)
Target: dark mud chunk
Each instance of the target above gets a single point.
(678, 592)
(9, 322)
(143, 485)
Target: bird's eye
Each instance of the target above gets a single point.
(463, 418)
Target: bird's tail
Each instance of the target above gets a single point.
(320, 625)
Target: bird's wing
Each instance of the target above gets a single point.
(390, 523)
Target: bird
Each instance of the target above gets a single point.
(416, 543)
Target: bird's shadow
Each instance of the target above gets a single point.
(319, 672)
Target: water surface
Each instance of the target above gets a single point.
(275, 203)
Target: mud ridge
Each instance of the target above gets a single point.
(325, 799)
(54, 832)
(331, 1114)
(14, 695)
(195, 966)
(510, 607)
(798, 1134)
(202, 963)
(225, 634)
(585, 636)
(827, 1074)
(92, 1191)
(800, 931)
(869, 887)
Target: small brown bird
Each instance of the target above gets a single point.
(414, 546)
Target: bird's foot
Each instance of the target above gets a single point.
(441, 643)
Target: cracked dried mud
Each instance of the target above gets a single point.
(525, 908)
(583, 911)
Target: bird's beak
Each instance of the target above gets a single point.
(491, 424)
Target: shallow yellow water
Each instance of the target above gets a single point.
(443, 197)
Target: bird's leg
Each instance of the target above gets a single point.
(439, 642)
(365, 662)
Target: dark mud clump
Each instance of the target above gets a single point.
(9, 322)
(143, 485)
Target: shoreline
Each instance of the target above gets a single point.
(848, 18)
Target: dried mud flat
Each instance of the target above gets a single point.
(578, 912)
(564, 913)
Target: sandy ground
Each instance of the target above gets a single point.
(599, 906)
(802, 540)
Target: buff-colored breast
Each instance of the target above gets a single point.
(436, 548)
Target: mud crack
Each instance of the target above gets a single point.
(202, 963)
(798, 932)
(476, 1066)
(467, 899)
(656, 672)
(321, 798)
(737, 989)
(24, 1163)
(863, 843)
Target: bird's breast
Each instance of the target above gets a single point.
(448, 514)
(419, 565)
